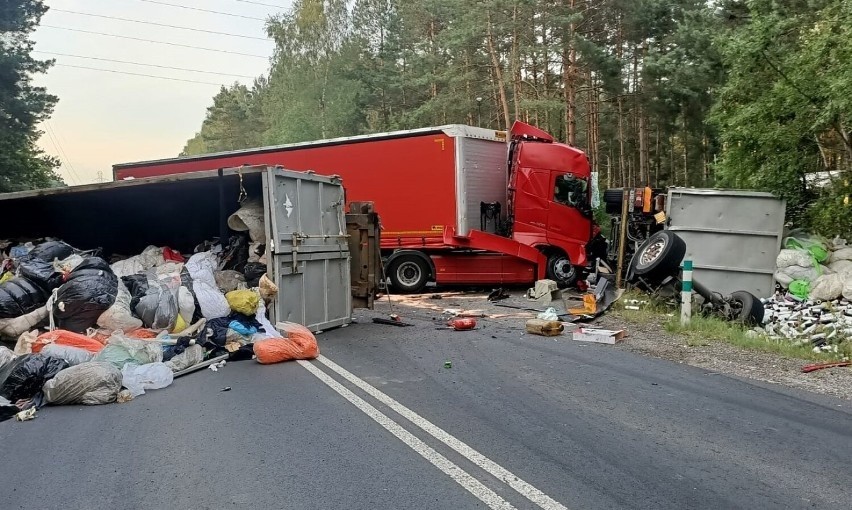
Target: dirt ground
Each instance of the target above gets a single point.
(646, 338)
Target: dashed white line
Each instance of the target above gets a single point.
(460, 476)
(525, 489)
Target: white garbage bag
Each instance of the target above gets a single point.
(211, 300)
(249, 218)
(151, 256)
(827, 287)
(90, 383)
(127, 267)
(842, 266)
(793, 258)
(153, 376)
(118, 316)
(841, 254)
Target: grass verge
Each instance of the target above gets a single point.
(705, 330)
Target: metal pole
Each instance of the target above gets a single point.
(622, 237)
(686, 293)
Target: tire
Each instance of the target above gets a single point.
(660, 256)
(750, 308)
(409, 274)
(612, 200)
(560, 270)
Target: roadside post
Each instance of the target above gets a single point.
(686, 293)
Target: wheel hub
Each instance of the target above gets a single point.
(652, 252)
(563, 269)
(408, 273)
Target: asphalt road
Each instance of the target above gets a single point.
(581, 426)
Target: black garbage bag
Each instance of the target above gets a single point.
(88, 292)
(48, 252)
(41, 273)
(186, 281)
(253, 271)
(23, 378)
(137, 284)
(19, 296)
(7, 409)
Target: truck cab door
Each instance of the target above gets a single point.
(569, 221)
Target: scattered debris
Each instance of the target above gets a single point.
(549, 315)
(819, 366)
(462, 324)
(390, 322)
(226, 388)
(545, 291)
(823, 324)
(544, 327)
(498, 294)
(27, 415)
(600, 336)
(448, 364)
(436, 296)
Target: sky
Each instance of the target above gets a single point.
(104, 118)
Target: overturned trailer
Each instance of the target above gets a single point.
(324, 261)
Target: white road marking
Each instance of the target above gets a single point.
(525, 489)
(460, 476)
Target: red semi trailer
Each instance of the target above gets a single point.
(458, 204)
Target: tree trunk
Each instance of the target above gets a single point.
(498, 72)
(569, 85)
(516, 63)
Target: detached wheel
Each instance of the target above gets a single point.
(660, 256)
(409, 274)
(560, 270)
(747, 308)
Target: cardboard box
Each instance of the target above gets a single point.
(599, 336)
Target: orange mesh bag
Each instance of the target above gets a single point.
(67, 338)
(299, 344)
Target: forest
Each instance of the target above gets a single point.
(750, 94)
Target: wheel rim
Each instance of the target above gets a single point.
(409, 274)
(652, 252)
(563, 270)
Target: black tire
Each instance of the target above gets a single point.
(409, 274)
(612, 200)
(750, 308)
(560, 270)
(660, 256)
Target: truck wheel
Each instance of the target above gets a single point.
(659, 256)
(750, 309)
(560, 270)
(409, 274)
(612, 200)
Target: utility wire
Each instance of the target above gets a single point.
(202, 10)
(141, 64)
(261, 3)
(161, 24)
(63, 158)
(139, 74)
(155, 42)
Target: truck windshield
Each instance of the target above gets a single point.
(571, 191)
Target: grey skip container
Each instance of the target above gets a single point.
(733, 237)
(308, 248)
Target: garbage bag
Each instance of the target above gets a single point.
(827, 287)
(791, 257)
(152, 376)
(25, 342)
(842, 266)
(19, 296)
(814, 245)
(41, 272)
(118, 316)
(172, 255)
(23, 378)
(210, 299)
(87, 293)
(253, 271)
(266, 330)
(243, 301)
(800, 288)
(6, 356)
(191, 356)
(151, 256)
(67, 264)
(121, 350)
(72, 355)
(841, 254)
(268, 290)
(8, 410)
(299, 344)
(186, 305)
(158, 309)
(14, 328)
(90, 383)
(230, 280)
(68, 339)
(48, 252)
(847, 288)
(127, 267)
(806, 273)
(249, 218)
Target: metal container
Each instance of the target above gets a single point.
(732, 237)
(313, 289)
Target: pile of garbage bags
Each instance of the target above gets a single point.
(88, 332)
(810, 267)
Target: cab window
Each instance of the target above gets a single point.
(570, 190)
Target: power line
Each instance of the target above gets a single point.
(139, 74)
(179, 45)
(141, 64)
(161, 24)
(202, 10)
(261, 3)
(63, 158)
